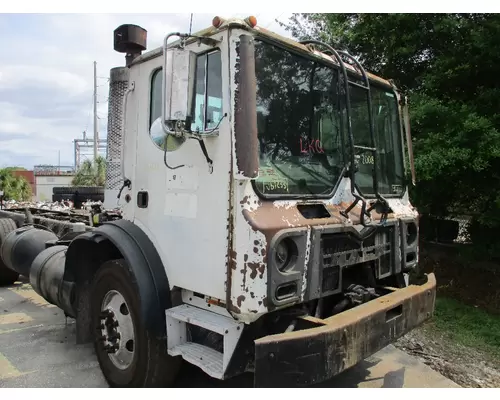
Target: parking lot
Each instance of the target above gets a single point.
(37, 349)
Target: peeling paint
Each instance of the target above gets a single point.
(240, 300)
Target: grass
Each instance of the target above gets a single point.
(468, 326)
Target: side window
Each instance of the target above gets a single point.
(207, 103)
(155, 104)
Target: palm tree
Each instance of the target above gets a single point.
(91, 173)
(14, 188)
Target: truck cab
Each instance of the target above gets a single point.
(266, 223)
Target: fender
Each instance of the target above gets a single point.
(115, 240)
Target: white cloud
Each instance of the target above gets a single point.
(46, 82)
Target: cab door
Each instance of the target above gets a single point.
(179, 201)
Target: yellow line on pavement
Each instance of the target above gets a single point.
(25, 290)
(5, 331)
(14, 318)
(7, 370)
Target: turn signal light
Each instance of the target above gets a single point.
(252, 21)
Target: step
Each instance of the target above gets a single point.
(209, 360)
(203, 318)
(214, 363)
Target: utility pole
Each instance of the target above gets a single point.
(96, 133)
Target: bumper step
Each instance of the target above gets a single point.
(211, 361)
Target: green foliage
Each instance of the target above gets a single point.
(91, 173)
(448, 65)
(467, 325)
(14, 187)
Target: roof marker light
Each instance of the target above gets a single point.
(217, 21)
(252, 21)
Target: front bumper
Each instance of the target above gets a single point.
(310, 356)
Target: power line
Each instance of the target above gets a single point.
(274, 20)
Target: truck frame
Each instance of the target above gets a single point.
(256, 215)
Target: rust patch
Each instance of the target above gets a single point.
(244, 200)
(259, 302)
(256, 268)
(245, 257)
(232, 259)
(263, 252)
(240, 300)
(256, 250)
(252, 295)
(269, 219)
(253, 311)
(265, 302)
(244, 272)
(232, 308)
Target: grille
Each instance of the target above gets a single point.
(117, 87)
(341, 250)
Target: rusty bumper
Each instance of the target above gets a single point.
(314, 355)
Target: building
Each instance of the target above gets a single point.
(47, 177)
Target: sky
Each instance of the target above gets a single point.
(46, 76)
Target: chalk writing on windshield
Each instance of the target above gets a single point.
(313, 146)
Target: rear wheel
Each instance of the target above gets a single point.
(128, 353)
(7, 276)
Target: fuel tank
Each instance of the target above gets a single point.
(21, 246)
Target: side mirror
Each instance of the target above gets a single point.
(178, 79)
(245, 111)
(409, 143)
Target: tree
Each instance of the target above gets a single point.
(448, 65)
(14, 187)
(91, 173)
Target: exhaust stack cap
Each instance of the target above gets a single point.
(131, 40)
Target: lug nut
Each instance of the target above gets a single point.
(110, 349)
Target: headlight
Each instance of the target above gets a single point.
(285, 255)
(411, 233)
(282, 255)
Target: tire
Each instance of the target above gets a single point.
(150, 365)
(7, 276)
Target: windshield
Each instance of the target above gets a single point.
(300, 139)
(388, 141)
(299, 120)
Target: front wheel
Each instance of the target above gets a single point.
(128, 353)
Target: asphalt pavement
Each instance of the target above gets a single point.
(37, 349)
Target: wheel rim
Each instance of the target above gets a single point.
(116, 329)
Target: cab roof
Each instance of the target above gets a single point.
(264, 33)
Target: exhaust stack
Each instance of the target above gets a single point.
(131, 40)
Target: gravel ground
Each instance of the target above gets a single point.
(465, 366)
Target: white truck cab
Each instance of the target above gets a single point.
(266, 224)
